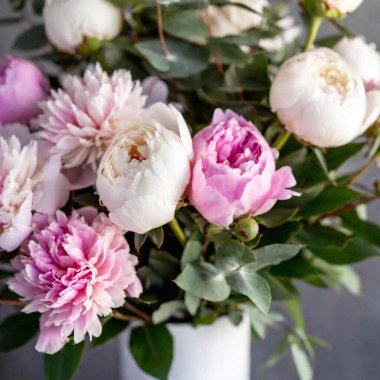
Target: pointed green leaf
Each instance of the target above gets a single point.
(63, 364)
(152, 348)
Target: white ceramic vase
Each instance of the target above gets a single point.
(220, 351)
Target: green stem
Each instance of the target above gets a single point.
(176, 228)
(282, 140)
(316, 22)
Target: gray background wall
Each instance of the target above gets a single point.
(351, 325)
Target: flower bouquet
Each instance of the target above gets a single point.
(171, 169)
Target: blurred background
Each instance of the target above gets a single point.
(350, 325)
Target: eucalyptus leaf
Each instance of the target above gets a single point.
(187, 25)
(183, 60)
(246, 281)
(232, 254)
(168, 310)
(192, 303)
(205, 281)
(274, 255)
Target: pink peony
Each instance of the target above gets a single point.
(234, 171)
(81, 119)
(22, 87)
(73, 271)
(28, 181)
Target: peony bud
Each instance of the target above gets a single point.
(246, 229)
(146, 169)
(342, 6)
(22, 87)
(234, 171)
(330, 8)
(362, 57)
(69, 23)
(320, 99)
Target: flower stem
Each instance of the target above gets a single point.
(316, 22)
(282, 140)
(161, 30)
(176, 228)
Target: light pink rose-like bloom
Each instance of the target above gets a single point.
(234, 171)
(74, 270)
(22, 87)
(81, 119)
(28, 181)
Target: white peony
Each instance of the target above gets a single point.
(69, 22)
(320, 99)
(146, 170)
(343, 6)
(362, 57)
(232, 19)
(28, 181)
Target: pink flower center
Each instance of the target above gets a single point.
(236, 146)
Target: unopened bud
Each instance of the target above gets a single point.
(246, 229)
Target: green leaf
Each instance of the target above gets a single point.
(274, 255)
(254, 76)
(38, 6)
(186, 25)
(33, 38)
(331, 199)
(157, 236)
(276, 217)
(301, 361)
(280, 235)
(184, 59)
(298, 267)
(192, 303)
(232, 254)
(366, 230)
(246, 281)
(336, 157)
(63, 364)
(152, 348)
(321, 236)
(193, 249)
(228, 54)
(168, 310)
(110, 330)
(17, 4)
(354, 251)
(164, 264)
(139, 240)
(259, 321)
(323, 164)
(205, 281)
(17, 329)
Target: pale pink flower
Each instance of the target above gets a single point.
(234, 171)
(22, 87)
(81, 119)
(74, 271)
(27, 182)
